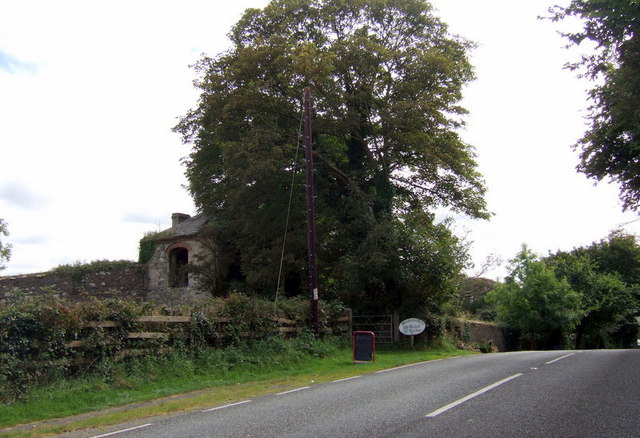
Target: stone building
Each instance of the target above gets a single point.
(174, 251)
(165, 275)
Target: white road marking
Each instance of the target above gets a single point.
(560, 358)
(344, 380)
(406, 366)
(122, 431)
(470, 396)
(293, 390)
(226, 406)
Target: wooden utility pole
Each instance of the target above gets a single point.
(311, 224)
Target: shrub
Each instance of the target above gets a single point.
(35, 336)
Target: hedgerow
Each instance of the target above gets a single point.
(46, 338)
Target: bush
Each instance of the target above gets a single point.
(35, 335)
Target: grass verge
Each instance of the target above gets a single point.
(152, 386)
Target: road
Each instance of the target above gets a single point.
(521, 394)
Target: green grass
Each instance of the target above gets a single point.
(212, 378)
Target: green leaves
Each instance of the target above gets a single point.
(611, 146)
(605, 273)
(591, 293)
(386, 80)
(535, 303)
(5, 249)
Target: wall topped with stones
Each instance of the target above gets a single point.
(121, 282)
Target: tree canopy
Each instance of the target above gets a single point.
(611, 146)
(606, 275)
(540, 307)
(588, 297)
(386, 79)
(5, 249)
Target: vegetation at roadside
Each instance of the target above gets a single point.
(387, 80)
(588, 297)
(45, 339)
(260, 367)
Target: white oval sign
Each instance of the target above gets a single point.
(412, 326)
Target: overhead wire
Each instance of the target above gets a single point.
(286, 226)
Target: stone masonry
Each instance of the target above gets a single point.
(129, 283)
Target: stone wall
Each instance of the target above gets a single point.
(159, 289)
(122, 282)
(479, 332)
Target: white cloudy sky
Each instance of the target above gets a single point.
(89, 92)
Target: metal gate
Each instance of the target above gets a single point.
(381, 325)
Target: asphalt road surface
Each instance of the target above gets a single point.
(523, 394)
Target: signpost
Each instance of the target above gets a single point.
(412, 327)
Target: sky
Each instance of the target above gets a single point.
(89, 92)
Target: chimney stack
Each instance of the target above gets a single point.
(177, 218)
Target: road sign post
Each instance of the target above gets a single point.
(412, 327)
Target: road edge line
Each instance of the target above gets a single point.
(122, 431)
(226, 406)
(293, 390)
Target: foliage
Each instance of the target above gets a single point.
(146, 247)
(78, 270)
(5, 249)
(432, 258)
(617, 254)
(224, 375)
(472, 292)
(386, 79)
(606, 275)
(207, 268)
(541, 308)
(35, 334)
(611, 146)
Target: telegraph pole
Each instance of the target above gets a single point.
(311, 223)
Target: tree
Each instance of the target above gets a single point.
(607, 302)
(5, 249)
(386, 79)
(534, 303)
(611, 147)
(619, 254)
(606, 275)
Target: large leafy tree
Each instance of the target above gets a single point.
(5, 249)
(611, 146)
(606, 275)
(386, 78)
(533, 302)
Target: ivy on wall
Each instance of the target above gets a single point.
(146, 248)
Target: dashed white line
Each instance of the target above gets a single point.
(345, 379)
(122, 431)
(470, 396)
(560, 358)
(293, 390)
(227, 406)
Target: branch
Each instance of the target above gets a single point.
(340, 175)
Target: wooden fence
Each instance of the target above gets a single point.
(160, 333)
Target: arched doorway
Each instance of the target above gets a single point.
(178, 273)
